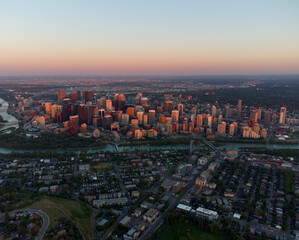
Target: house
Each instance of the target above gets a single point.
(125, 221)
(146, 205)
(131, 234)
(138, 212)
(151, 215)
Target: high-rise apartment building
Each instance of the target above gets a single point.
(282, 116)
(48, 106)
(214, 111)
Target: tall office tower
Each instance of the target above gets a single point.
(108, 105)
(145, 119)
(115, 101)
(96, 121)
(231, 129)
(181, 108)
(55, 109)
(91, 111)
(282, 117)
(61, 94)
(185, 124)
(98, 103)
(220, 118)
(88, 96)
(66, 112)
(239, 107)
(264, 133)
(103, 102)
(140, 117)
(151, 117)
(199, 120)
(131, 111)
(168, 105)
(73, 97)
(253, 115)
(226, 111)
(75, 120)
(94, 98)
(121, 102)
(256, 128)
(82, 112)
(175, 116)
(236, 127)
(267, 117)
(210, 119)
(214, 111)
(101, 112)
(259, 114)
(48, 106)
(138, 98)
(79, 96)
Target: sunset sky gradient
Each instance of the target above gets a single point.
(150, 37)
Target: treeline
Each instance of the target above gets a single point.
(47, 141)
(38, 154)
(225, 226)
(159, 142)
(274, 152)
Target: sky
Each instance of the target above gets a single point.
(148, 37)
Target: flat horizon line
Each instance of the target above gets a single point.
(148, 75)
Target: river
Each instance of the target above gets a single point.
(111, 148)
(6, 116)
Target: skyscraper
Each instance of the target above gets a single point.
(48, 106)
(181, 108)
(82, 112)
(73, 97)
(168, 106)
(79, 95)
(175, 116)
(88, 96)
(214, 110)
(61, 94)
(282, 117)
(239, 107)
(121, 102)
(152, 115)
(253, 115)
(108, 105)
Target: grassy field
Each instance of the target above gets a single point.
(187, 231)
(79, 213)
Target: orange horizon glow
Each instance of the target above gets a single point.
(152, 37)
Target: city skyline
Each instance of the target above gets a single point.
(148, 38)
